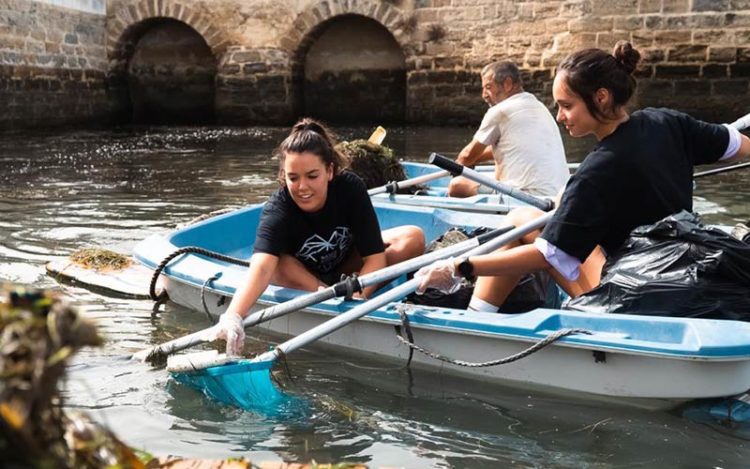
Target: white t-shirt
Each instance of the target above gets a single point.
(526, 144)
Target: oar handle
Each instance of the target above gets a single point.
(453, 167)
(457, 169)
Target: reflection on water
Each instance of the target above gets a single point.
(65, 190)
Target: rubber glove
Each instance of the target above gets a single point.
(230, 329)
(440, 275)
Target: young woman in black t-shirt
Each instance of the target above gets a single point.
(639, 172)
(318, 225)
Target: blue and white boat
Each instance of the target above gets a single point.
(649, 361)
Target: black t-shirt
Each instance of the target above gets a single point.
(323, 239)
(637, 175)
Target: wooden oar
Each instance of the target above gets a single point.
(342, 288)
(216, 382)
(457, 169)
(377, 136)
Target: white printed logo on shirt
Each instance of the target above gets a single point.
(326, 254)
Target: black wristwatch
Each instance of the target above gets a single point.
(466, 269)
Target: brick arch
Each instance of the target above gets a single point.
(127, 21)
(302, 32)
(311, 25)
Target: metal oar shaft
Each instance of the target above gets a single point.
(451, 203)
(720, 170)
(461, 170)
(373, 278)
(741, 123)
(333, 291)
(394, 294)
(413, 264)
(340, 321)
(393, 187)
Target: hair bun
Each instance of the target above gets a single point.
(308, 124)
(627, 57)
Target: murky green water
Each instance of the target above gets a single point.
(69, 189)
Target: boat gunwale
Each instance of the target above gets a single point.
(337, 306)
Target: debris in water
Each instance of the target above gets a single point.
(100, 259)
(374, 163)
(38, 335)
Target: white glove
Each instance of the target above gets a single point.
(230, 329)
(440, 275)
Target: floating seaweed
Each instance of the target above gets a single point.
(100, 259)
(38, 334)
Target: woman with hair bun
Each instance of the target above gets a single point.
(319, 225)
(640, 171)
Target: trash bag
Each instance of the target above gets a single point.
(675, 267)
(532, 291)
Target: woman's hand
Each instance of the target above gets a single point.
(441, 275)
(230, 329)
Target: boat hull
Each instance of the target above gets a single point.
(641, 379)
(642, 360)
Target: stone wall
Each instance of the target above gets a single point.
(696, 52)
(263, 53)
(52, 63)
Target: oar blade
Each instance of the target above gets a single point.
(378, 135)
(245, 384)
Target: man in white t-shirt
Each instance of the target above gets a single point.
(519, 133)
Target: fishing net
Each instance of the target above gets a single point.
(244, 384)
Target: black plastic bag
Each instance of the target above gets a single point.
(675, 267)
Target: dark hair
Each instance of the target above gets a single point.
(588, 70)
(309, 135)
(502, 70)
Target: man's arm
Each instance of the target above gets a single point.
(473, 153)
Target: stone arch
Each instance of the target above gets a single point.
(155, 97)
(313, 22)
(304, 26)
(171, 75)
(125, 23)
